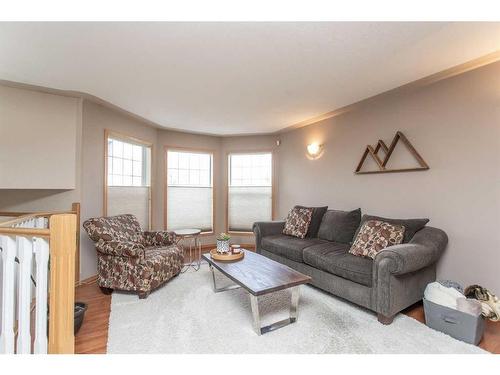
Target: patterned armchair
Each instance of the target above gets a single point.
(131, 259)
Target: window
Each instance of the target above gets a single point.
(250, 190)
(189, 190)
(127, 163)
(128, 178)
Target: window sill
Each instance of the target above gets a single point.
(240, 233)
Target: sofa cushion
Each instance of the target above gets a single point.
(339, 226)
(334, 258)
(375, 236)
(288, 246)
(412, 226)
(316, 218)
(297, 222)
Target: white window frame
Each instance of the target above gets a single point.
(227, 186)
(145, 173)
(165, 182)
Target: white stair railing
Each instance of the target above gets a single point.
(37, 264)
(26, 249)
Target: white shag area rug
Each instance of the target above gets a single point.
(186, 316)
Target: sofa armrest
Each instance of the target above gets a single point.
(266, 228)
(120, 248)
(158, 238)
(425, 248)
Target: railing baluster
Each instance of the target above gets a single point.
(42, 262)
(8, 245)
(25, 254)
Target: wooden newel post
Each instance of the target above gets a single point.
(62, 283)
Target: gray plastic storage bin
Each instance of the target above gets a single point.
(457, 324)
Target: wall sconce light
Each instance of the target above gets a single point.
(314, 151)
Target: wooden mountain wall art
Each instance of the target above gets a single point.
(382, 162)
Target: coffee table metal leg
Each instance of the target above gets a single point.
(254, 301)
(294, 305)
(223, 289)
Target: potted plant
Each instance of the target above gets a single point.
(223, 243)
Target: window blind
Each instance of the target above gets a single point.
(128, 180)
(189, 190)
(250, 197)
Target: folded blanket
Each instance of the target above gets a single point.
(452, 284)
(442, 295)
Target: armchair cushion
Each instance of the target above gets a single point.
(123, 228)
(158, 238)
(120, 248)
(163, 263)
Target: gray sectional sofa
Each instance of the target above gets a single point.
(394, 280)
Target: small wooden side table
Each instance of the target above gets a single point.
(190, 237)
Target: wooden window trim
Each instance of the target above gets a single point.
(128, 138)
(167, 148)
(226, 186)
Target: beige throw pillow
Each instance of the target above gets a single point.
(374, 236)
(297, 222)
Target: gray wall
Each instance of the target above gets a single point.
(455, 125)
(22, 109)
(44, 134)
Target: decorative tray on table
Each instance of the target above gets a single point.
(226, 257)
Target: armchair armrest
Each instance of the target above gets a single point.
(425, 248)
(120, 248)
(266, 228)
(158, 238)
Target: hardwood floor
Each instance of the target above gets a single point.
(93, 336)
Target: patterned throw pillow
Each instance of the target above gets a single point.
(374, 236)
(297, 222)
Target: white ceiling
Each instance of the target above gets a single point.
(235, 78)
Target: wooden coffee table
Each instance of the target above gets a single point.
(259, 275)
